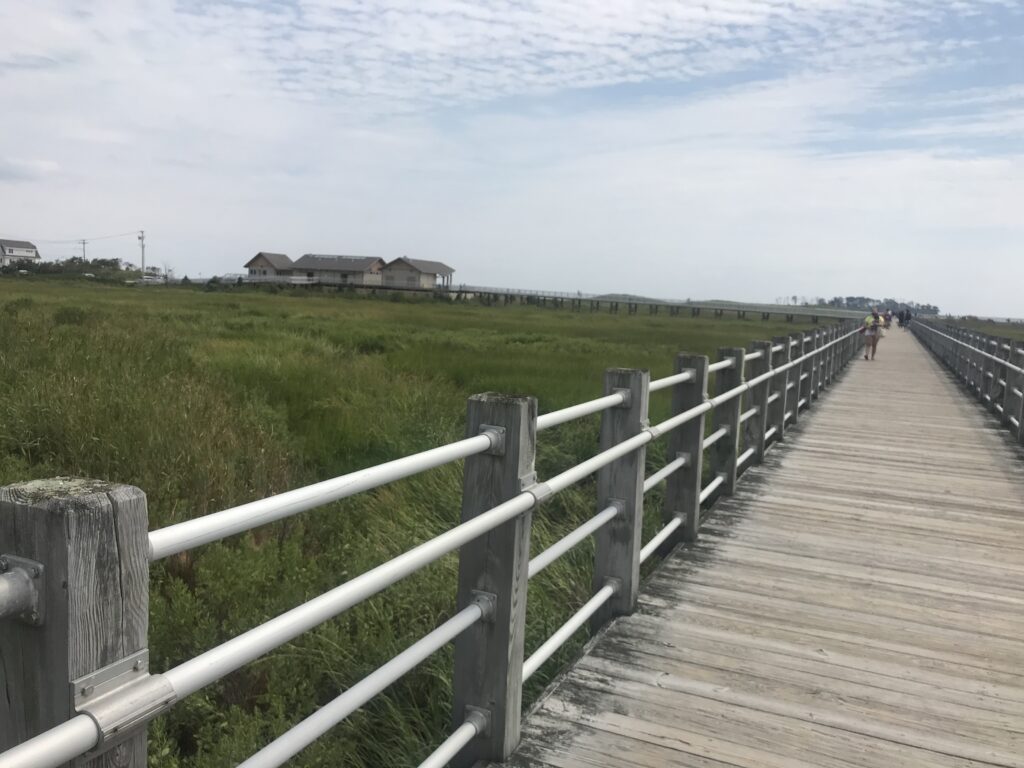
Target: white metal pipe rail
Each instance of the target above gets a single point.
(567, 630)
(219, 525)
(81, 733)
(285, 747)
(996, 381)
(570, 540)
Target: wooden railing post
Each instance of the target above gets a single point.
(777, 410)
(85, 545)
(988, 372)
(757, 425)
(833, 354)
(797, 378)
(617, 544)
(826, 358)
(488, 670)
(724, 453)
(815, 387)
(1013, 403)
(1002, 350)
(962, 354)
(682, 492)
(976, 380)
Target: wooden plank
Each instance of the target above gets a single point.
(857, 602)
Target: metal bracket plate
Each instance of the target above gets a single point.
(497, 439)
(88, 688)
(120, 698)
(482, 718)
(36, 571)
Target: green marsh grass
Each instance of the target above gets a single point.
(210, 399)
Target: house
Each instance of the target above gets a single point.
(13, 251)
(417, 273)
(265, 264)
(340, 270)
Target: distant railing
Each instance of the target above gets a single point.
(77, 576)
(990, 367)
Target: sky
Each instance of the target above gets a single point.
(723, 149)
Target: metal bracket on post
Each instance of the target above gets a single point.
(627, 397)
(488, 602)
(27, 589)
(497, 436)
(121, 698)
(88, 688)
(481, 718)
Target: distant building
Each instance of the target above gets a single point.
(13, 251)
(340, 270)
(417, 273)
(265, 264)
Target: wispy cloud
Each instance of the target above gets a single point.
(524, 137)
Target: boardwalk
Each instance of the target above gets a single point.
(859, 602)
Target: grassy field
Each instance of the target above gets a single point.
(210, 399)
(1001, 330)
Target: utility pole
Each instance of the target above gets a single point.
(83, 248)
(142, 247)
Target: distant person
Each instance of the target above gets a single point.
(906, 320)
(873, 325)
(888, 318)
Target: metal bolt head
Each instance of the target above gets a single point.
(35, 572)
(33, 617)
(3, 564)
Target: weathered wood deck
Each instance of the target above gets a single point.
(858, 602)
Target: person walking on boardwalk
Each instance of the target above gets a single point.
(873, 324)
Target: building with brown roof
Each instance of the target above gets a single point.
(404, 272)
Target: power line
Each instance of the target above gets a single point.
(77, 240)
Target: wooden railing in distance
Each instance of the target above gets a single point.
(74, 559)
(991, 368)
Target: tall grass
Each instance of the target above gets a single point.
(207, 400)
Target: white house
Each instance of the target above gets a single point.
(417, 273)
(13, 251)
(340, 270)
(266, 264)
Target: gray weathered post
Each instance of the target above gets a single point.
(816, 367)
(617, 544)
(833, 354)
(1013, 403)
(1001, 349)
(988, 372)
(825, 357)
(777, 410)
(796, 376)
(961, 353)
(494, 569)
(979, 384)
(85, 544)
(682, 492)
(724, 453)
(965, 357)
(757, 425)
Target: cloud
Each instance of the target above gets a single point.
(564, 144)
